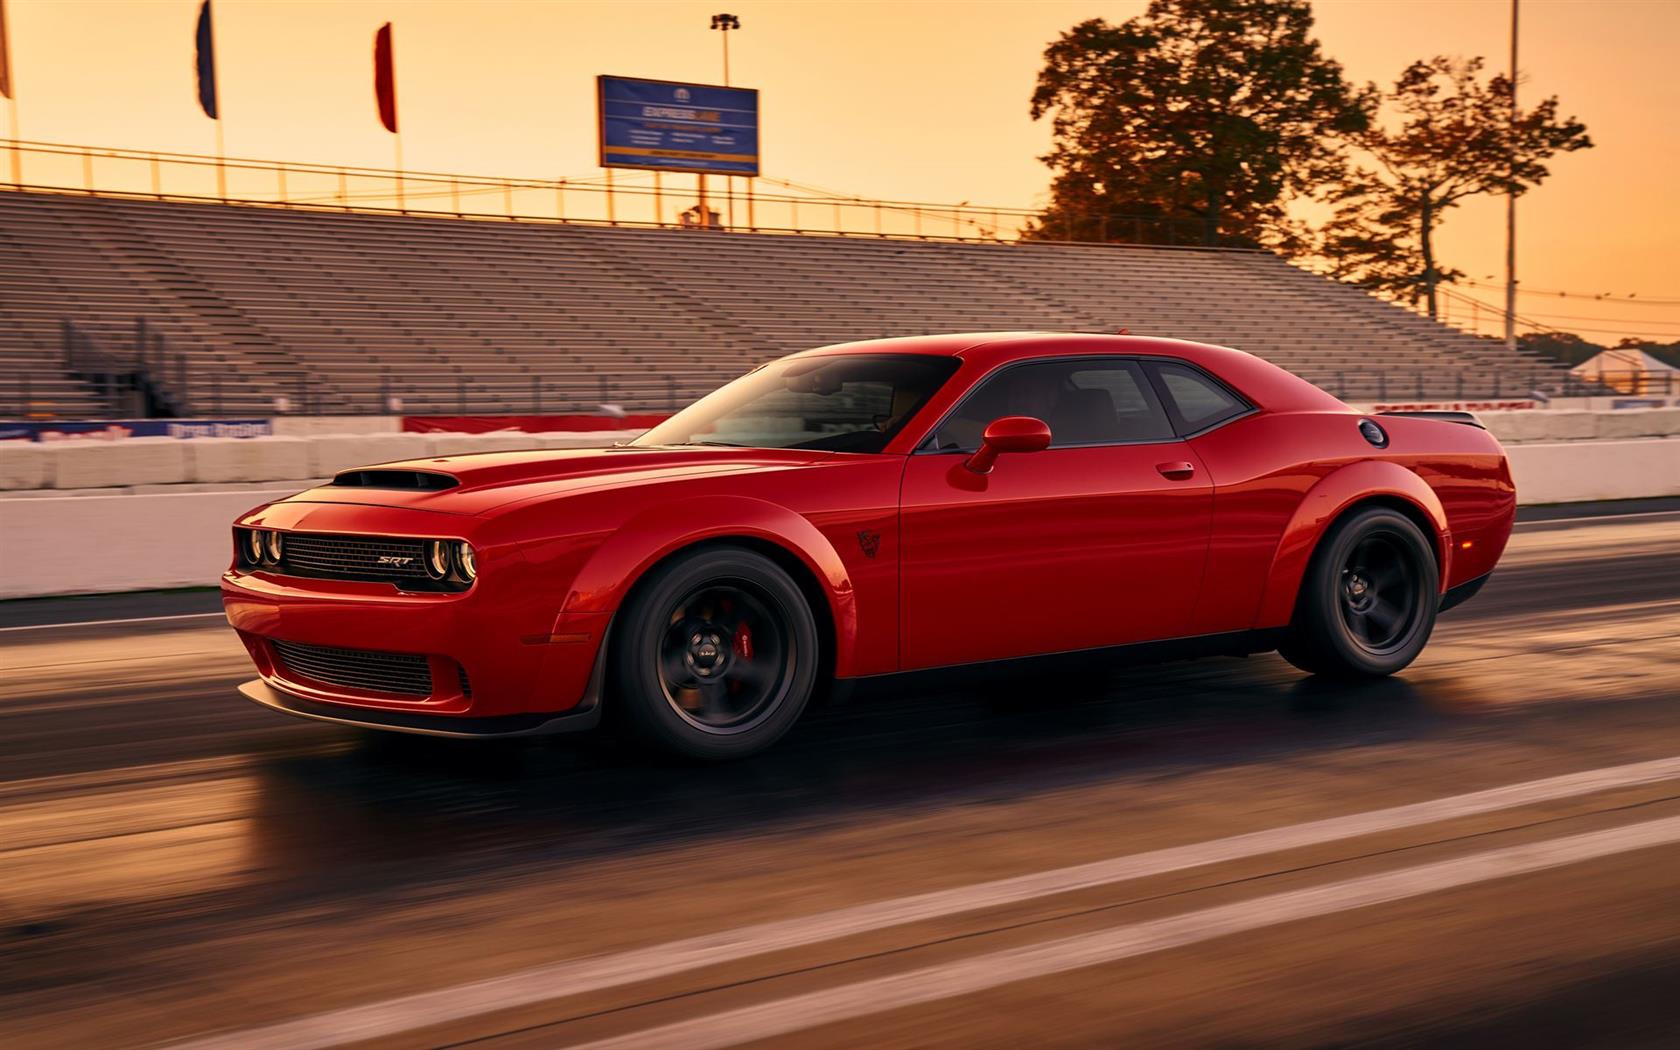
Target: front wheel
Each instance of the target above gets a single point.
(716, 655)
(1368, 600)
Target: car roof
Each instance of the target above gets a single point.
(1257, 379)
(959, 344)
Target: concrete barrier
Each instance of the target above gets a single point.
(102, 464)
(330, 454)
(176, 539)
(23, 465)
(1579, 471)
(242, 459)
(1581, 425)
(496, 441)
(591, 439)
(100, 544)
(309, 426)
(1639, 422)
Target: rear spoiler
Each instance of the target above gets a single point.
(1465, 418)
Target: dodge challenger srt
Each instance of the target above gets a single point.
(865, 510)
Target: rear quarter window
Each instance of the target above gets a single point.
(1197, 401)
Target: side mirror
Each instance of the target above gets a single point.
(1009, 434)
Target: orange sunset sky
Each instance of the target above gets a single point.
(908, 101)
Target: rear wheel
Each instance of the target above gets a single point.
(1368, 600)
(716, 655)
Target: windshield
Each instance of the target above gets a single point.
(850, 403)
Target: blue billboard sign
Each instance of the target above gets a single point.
(666, 126)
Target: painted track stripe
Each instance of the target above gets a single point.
(113, 623)
(577, 976)
(968, 976)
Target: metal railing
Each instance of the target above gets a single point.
(623, 198)
(159, 383)
(457, 393)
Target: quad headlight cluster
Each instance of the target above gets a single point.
(261, 547)
(446, 558)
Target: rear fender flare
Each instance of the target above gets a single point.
(1323, 504)
(641, 542)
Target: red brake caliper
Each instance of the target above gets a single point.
(743, 641)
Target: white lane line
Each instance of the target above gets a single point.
(968, 976)
(592, 973)
(109, 623)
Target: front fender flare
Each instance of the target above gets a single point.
(1326, 501)
(607, 576)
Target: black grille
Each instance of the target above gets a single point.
(401, 673)
(466, 683)
(354, 557)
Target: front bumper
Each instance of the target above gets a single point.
(586, 716)
(500, 649)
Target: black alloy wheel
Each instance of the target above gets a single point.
(715, 655)
(1369, 597)
(1380, 592)
(725, 658)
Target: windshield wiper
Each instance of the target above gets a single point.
(713, 444)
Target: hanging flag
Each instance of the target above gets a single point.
(206, 63)
(384, 77)
(5, 58)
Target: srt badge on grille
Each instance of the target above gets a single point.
(392, 559)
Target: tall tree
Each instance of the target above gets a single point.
(1195, 121)
(1448, 135)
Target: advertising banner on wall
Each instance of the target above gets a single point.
(118, 429)
(667, 126)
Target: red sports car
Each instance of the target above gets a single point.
(865, 510)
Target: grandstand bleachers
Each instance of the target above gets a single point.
(335, 310)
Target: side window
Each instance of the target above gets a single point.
(1198, 400)
(1084, 402)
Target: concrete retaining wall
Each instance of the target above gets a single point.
(164, 461)
(308, 426)
(53, 543)
(99, 544)
(1580, 471)
(1572, 425)
(313, 454)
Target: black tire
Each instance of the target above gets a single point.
(1368, 600)
(714, 656)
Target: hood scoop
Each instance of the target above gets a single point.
(401, 479)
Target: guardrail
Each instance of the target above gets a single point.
(622, 198)
(160, 381)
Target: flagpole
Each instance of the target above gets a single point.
(221, 148)
(17, 147)
(9, 89)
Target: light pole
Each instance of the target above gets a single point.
(724, 23)
(1511, 210)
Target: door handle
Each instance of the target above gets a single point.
(1179, 471)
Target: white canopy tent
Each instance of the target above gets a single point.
(1630, 371)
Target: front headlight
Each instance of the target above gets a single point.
(252, 547)
(273, 546)
(466, 562)
(437, 559)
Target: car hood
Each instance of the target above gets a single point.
(481, 482)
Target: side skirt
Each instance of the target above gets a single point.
(1463, 592)
(1233, 643)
